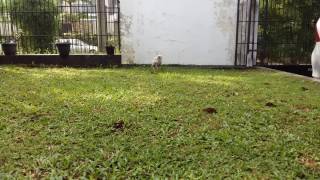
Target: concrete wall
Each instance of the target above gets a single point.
(188, 32)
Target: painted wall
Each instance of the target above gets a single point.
(188, 32)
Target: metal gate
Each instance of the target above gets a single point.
(275, 32)
(35, 25)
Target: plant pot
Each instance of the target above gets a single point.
(110, 50)
(64, 49)
(9, 49)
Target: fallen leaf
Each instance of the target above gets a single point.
(235, 94)
(309, 162)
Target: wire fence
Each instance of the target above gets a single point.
(36, 25)
(284, 31)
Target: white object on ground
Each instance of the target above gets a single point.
(157, 62)
(315, 57)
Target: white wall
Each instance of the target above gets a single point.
(189, 32)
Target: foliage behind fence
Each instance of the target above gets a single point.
(286, 32)
(284, 28)
(43, 22)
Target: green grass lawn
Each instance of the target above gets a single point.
(129, 123)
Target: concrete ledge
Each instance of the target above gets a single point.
(290, 74)
(56, 60)
(190, 66)
(305, 70)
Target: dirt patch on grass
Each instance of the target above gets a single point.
(271, 105)
(310, 162)
(210, 110)
(118, 126)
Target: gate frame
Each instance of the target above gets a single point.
(248, 21)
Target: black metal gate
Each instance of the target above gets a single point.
(89, 25)
(275, 32)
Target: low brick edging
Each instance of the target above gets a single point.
(290, 74)
(56, 60)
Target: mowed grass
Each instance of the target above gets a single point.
(130, 123)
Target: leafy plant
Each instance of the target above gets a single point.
(40, 27)
(17, 36)
(112, 42)
(286, 29)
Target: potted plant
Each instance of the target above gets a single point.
(110, 48)
(63, 48)
(9, 48)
